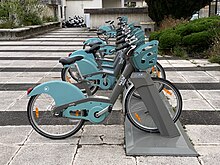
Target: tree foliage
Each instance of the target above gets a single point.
(15, 13)
(158, 9)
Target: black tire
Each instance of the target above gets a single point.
(139, 116)
(43, 121)
(161, 71)
(69, 75)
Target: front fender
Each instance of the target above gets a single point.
(62, 92)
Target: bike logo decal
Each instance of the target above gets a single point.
(122, 81)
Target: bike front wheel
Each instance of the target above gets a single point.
(138, 114)
(42, 119)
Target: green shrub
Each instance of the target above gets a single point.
(6, 25)
(154, 35)
(197, 42)
(193, 36)
(179, 52)
(31, 19)
(214, 59)
(169, 39)
(214, 51)
(50, 19)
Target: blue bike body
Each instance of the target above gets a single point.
(64, 93)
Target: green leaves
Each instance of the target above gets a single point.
(20, 13)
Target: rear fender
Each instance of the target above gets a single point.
(62, 92)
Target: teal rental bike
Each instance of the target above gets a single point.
(58, 109)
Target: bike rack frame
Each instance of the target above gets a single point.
(172, 140)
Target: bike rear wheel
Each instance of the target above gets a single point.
(70, 75)
(158, 71)
(42, 119)
(138, 114)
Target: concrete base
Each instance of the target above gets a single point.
(142, 143)
(28, 31)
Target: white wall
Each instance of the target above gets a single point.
(77, 7)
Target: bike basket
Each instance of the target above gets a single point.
(145, 56)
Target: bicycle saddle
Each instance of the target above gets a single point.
(69, 60)
(95, 43)
(93, 49)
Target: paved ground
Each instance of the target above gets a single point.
(26, 63)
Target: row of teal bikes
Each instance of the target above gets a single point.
(58, 109)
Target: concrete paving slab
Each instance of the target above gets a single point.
(46, 63)
(166, 65)
(215, 104)
(14, 134)
(201, 79)
(19, 105)
(70, 35)
(117, 106)
(47, 54)
(5, 63)
(102, 154)
(32, 74)
(36, 139)
(193, 73)
(183, 65)
(45, 154)
(9, 74)
(172, 73)
(21, 65)
(175, 79)
(11, 95)
(57, 39)
(17, 54)
(196, 105)
(209, 64)
(209, 155)
(16, 80)
(46, 79)
(7, 152)
(168, 160)
(214, 73)
(190, 95)
(100, 134)
(6, 103)
(197, 76)
(199, 61)
(37, 48)
(204, 134)
(53, 74)
(179, 61)
(4, 80)
(37, 43)
(210, 94)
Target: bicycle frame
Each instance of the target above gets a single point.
(99, 107)
(96, 108)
